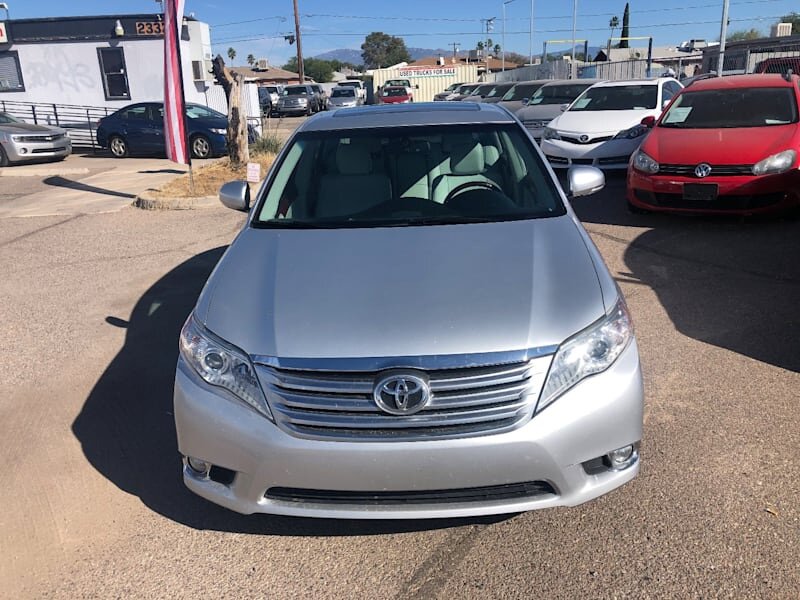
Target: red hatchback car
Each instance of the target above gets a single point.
(725, 145)
(395, 94)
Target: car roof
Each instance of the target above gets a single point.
(745, 81)
(406, 115)
(573, 82)
(654, 81)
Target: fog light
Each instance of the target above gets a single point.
(23, 150)
(621, 458)
(200, 467)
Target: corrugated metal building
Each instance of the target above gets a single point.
(428, 80)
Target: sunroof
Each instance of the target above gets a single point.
(407, 108)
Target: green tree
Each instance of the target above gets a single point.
(794, 19)
(744, 34)
(251, 60)
(613, 23)
(497, 49)
(231, 54)
(626, 23)
(382, 50)
(319, 70)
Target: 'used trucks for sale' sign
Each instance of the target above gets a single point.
(3, 35)
(427, 71)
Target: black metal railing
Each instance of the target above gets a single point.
(79, 121)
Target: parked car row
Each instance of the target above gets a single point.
(511, 95)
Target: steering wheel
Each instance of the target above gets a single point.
(473, 185)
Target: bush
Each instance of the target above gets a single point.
(269, 143)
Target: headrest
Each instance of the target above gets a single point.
(490, 155)
(353, 159)
(467, 159)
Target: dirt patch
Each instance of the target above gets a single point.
(208, 179)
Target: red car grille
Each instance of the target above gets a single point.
(716, 170)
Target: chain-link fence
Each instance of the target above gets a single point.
(766, 56)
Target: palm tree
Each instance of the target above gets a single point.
(231, 54)
(496, 49)
(613, 23)
(251, 60)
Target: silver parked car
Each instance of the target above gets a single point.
(345, 96)
(448, 93)
(549, 101)
(22, 142)
(445, 342)
(518, 96)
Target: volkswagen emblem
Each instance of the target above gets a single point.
(401, 394)
(583, 139)
(702, 170)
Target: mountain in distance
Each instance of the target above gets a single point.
(354, 56)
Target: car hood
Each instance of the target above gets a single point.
(511, 105)
(600, 121)
(403, 291)
(539, 112)
(28, 128)
(741, 146)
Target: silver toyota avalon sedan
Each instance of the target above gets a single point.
(411, 324)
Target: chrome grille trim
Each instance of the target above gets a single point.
(464, 402)
(716, 170)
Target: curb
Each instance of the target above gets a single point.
(25, 171)
(145, 202)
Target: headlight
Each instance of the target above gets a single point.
(632, 133)
(589, 352)
(220, 131)
(642, 162)
(777, 163)
(222, 365)
(550, 134)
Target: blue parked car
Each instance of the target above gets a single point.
(139, 129)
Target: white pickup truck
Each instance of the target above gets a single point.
(361, 91)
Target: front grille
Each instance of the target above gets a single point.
(509, 491)
(613, 160)
(574, 140)
(716, 170)
(35, 139)
(535, 124)
(463, 402)
(721, 203)
(557, 160)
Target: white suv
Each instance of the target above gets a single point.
(358, 85)
(603, 126)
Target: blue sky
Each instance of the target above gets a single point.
(328, 24)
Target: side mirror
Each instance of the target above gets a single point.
(585, 181)
(664, 104)
(564, 107)
(649, 122)
(235, 195)
(525, 100)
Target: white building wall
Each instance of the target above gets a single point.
(69, 73)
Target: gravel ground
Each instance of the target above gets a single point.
(94, 507)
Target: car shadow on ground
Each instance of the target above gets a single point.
(63, 182)
(728, 281)
(127, 431)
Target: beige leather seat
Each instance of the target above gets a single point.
(355, 187)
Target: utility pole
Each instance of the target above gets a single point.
(455, 46)
(723, 33)
(300, 69)
(573, 66)
(504, 33)
(530, 36)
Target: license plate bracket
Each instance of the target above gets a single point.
(700, 192)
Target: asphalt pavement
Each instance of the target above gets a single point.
(93, 504)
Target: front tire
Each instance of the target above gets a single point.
(635, 210)
(201, 147)
(118, 146)
(4, 162)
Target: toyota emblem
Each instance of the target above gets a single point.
(702, 170)
(401, 394)
(583, 139)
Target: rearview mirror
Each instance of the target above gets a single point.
(235, 195)
(585, 181)
(649, 122)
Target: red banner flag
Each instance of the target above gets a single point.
(174, 103)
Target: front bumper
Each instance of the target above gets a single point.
(738, 194)
(610, 154)
(25, 151)
(600, 414)
(292, 110)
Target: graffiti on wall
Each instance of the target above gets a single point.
(57, 72)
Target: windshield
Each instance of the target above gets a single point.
(521, 91)
(295, 91)
(402, 82)
(453, 87)
(498, 90)
(405, 176)
(395, 91)
(349, 83)
(465, 90)
(617, 97)
(343, 93)
(6, 118)
(557, 94)
(482, 90)
(711, 109)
